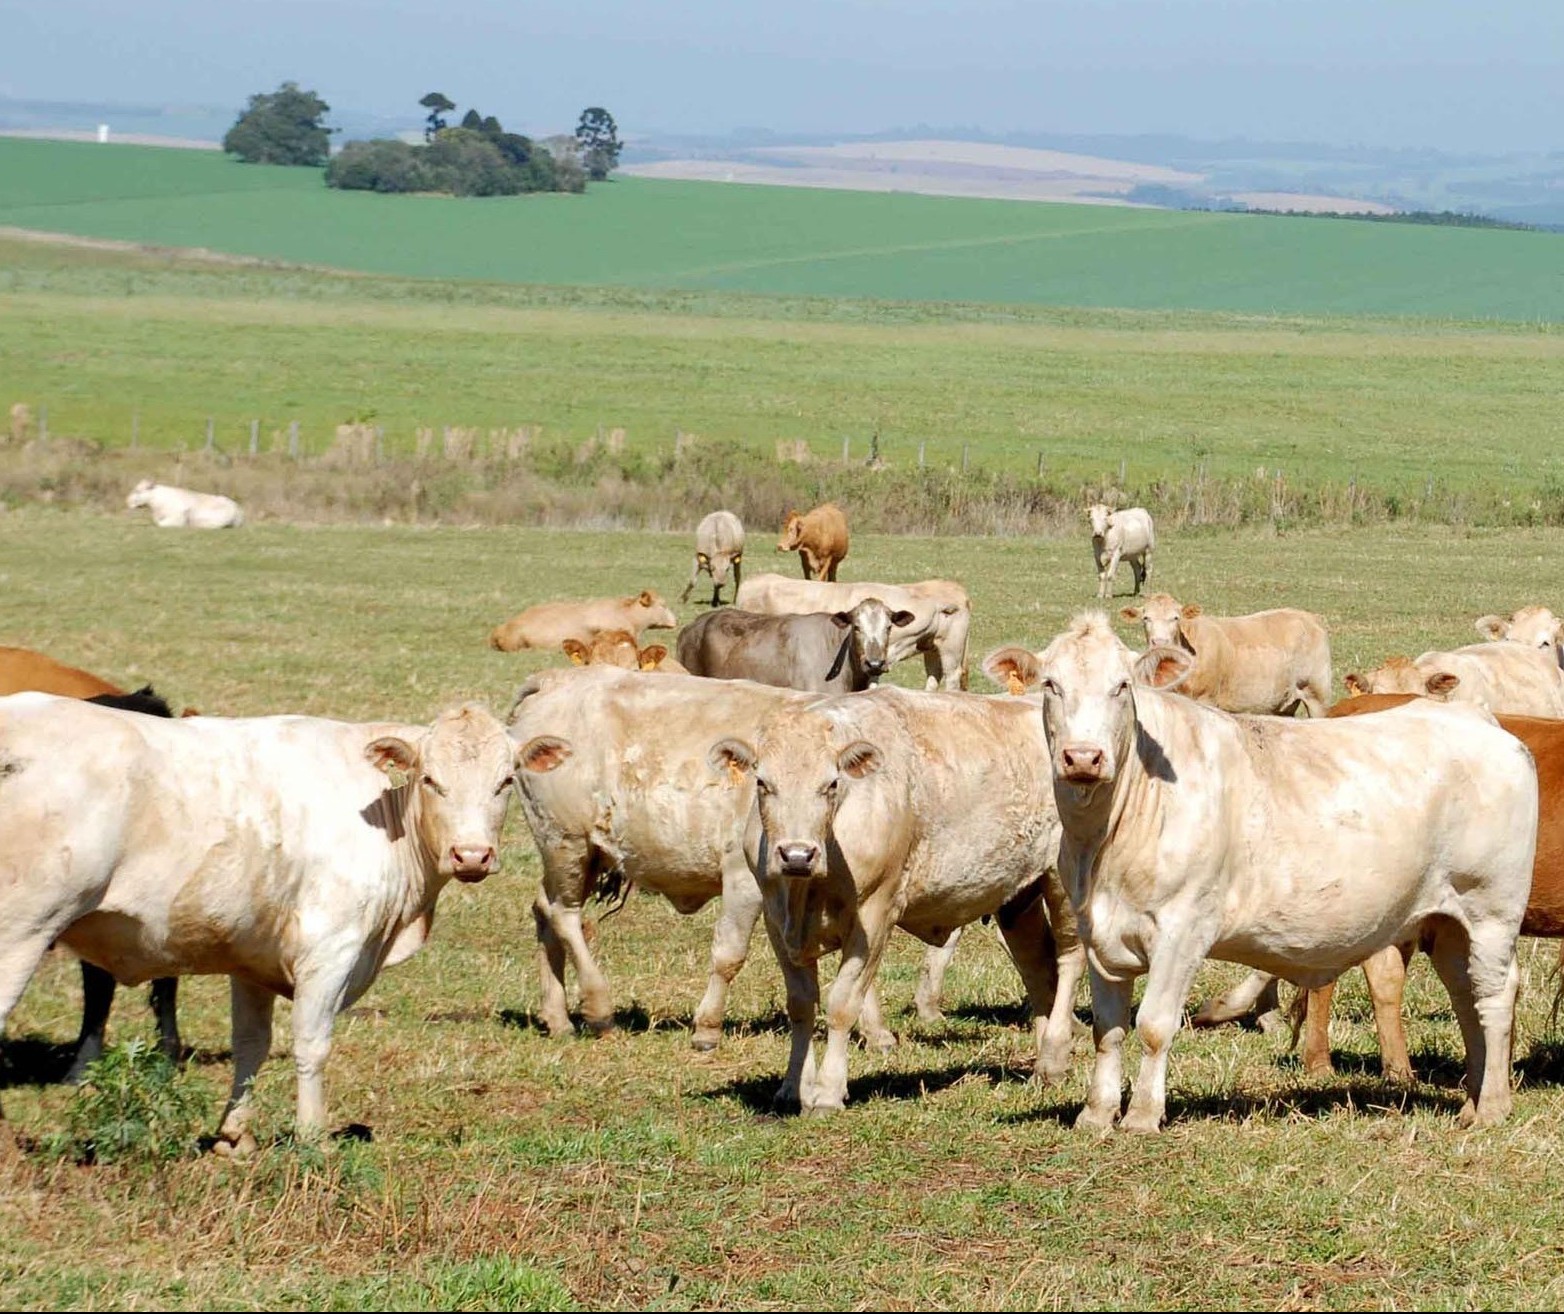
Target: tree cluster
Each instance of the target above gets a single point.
(281, 127)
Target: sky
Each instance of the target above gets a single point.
(1458, 75)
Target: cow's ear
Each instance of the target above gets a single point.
(737, 557)
(1163, 668)
(1189, 611)
(576, 651)
(859, 759)
(902, 619)
(1013, 667)
(842, 619)
(543, 754)
(1131, 614)
(733, 756)
(646, 598)
(392, 753)
(1355, 684)
(1441, 684)
(191, 711)
(1492, 627)
(703, 559)
(650, 658)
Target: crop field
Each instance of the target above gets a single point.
(712, 236)
(120, 344)
(487, 1164)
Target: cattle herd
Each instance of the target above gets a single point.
(1118, 813)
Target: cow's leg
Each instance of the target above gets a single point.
(318, 997)
(1174, 962)
(1316, 1030)
(806, 562)
(552, 1003)
(1056, 1031)
(1029, 940)
(97, 997)
(802, 983)
(931, 979)
(1314, 700)
(1110, 1020)
(1105, 583)
(862, 949)
(738, 579)
(876, 1036)
(557, 915)
(729, 948)
(933, 669)
(689, 588)
(1386, 974)
(165, 1008)
(1257, 994)
(830, 572)
(1479, 971)
(252, 1036)
(1145, 567)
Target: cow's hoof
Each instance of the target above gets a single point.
(1273, 1023)
(239, 1149)
(1095, 1119)
(1051, 1072)
(1141, 1124)
(930, 1017)
(1396, 1075)
(881, 1042)
(601, 1026)
(823, 1110)
(1473, 1116)
(703, 1044)
(786, 1104)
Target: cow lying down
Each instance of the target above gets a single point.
(273, 850)
(1295, 848)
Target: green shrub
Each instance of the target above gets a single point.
(134, 1106)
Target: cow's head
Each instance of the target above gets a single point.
(1087, 677)
(1536, 627)
(459, 768)
(1400, 675)
(140, 494)
(869, 627)
(1162, 616)
(608, 648)
(1099, 513)
(652, 612)
(802, 774)
(719, 564)
(792, 532)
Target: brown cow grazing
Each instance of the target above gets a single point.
(1268, 662)
(819, 537)
(549, 624)
(24, 671)
(619, 648)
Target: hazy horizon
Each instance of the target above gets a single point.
(1420, 74)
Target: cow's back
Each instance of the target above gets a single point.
(23, 670)
(1256, 663)
(1511, 678)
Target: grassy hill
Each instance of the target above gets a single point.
(712, 236)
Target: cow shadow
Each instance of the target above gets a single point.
(33, 1060)
(636, 1020)
(755, 1093)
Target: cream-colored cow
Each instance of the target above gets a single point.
(180, 508)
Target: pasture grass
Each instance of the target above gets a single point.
(791, 241)
(116, 345)
(482, 1164)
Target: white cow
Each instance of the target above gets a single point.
(1514, 679)
(1125, 535)
(1295, 847)
(270, 849)
(179, 508)
(893, 808)
(941, 609)
(1535, 626)
(615, 786)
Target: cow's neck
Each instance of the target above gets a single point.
(416, 864)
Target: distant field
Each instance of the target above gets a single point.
(100, 337)
(651, 234)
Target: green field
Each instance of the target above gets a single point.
(107, 340)
(507, 1169)
(641, 233)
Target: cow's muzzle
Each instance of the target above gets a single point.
(797, 860)
(472, 862)
(875, 665)
(1083, 764)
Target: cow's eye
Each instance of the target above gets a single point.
(504, 784)
(433, 784)
(1050, 687)
(763, 787)
(1122, 689)
(829, 788)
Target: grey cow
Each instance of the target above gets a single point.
(719, 544)
(819, 652)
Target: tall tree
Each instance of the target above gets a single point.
(281, 127)
(598, 137)
(437, 104)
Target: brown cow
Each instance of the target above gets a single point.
(819, 537)
(619, 648)
(24, 671)
(549, 624)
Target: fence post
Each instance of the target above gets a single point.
(255, 437)
(1039, 462)
(135, 429)
(921, 445)
(293, 439)
(208, 433)
(964, 453)
(1121, 471)
(847, 447)
(43, 424)
(380, 445)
